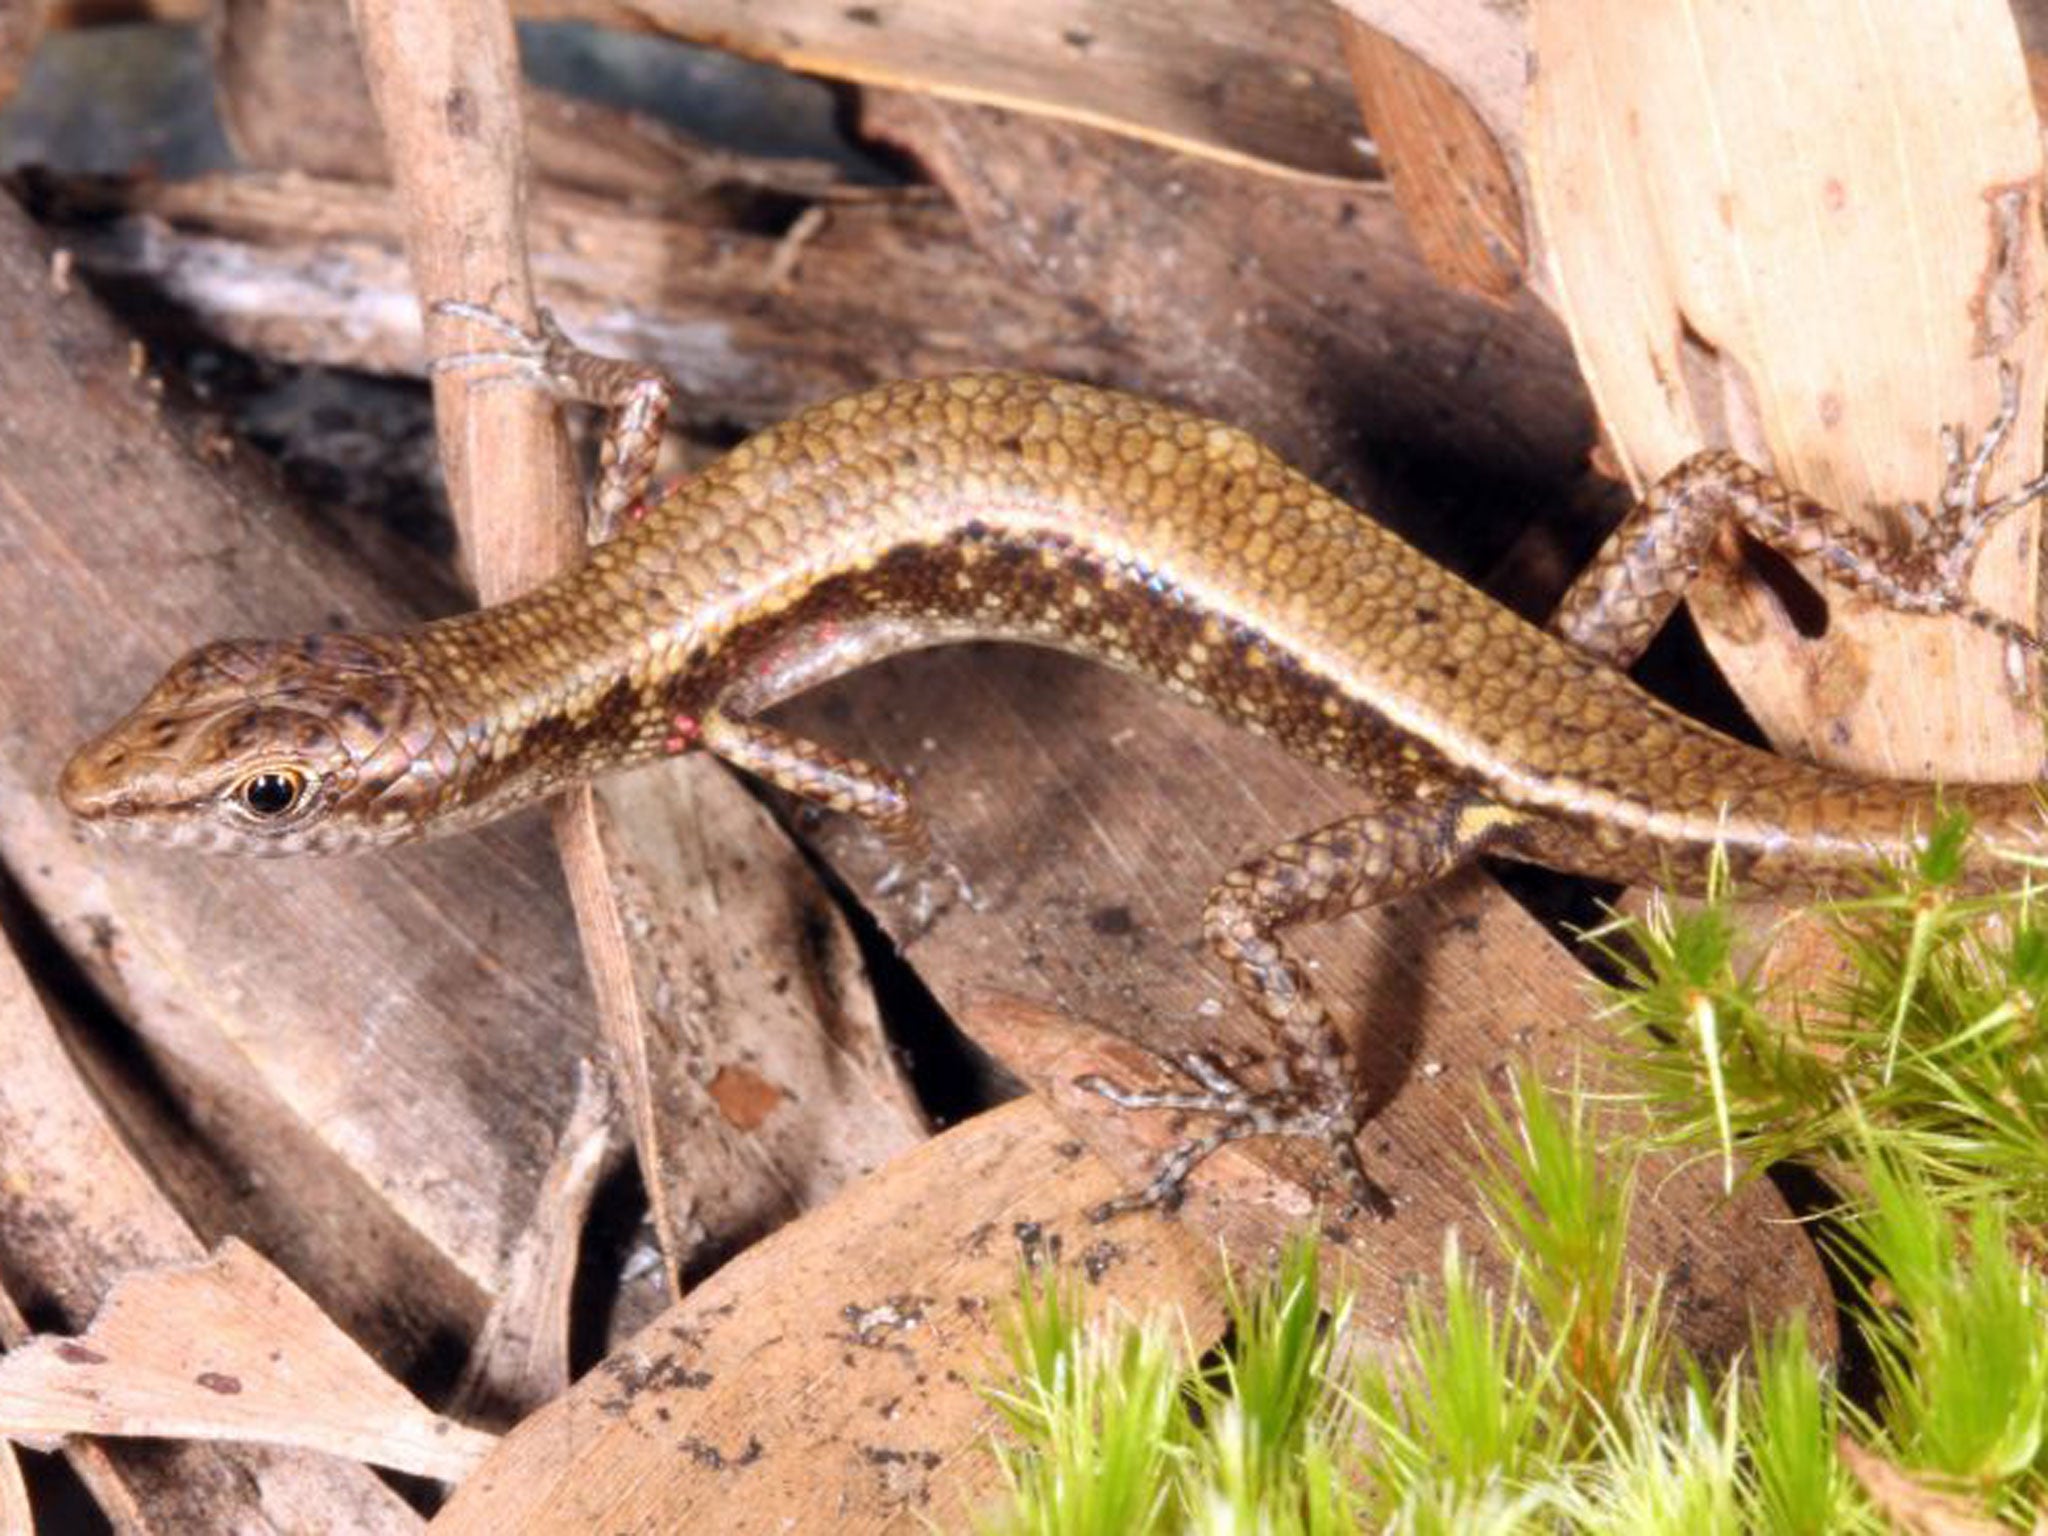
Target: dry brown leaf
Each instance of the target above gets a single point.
(831, 1378)
(77, 1209)
(1446, 167)
(1812, 233)
(1252, 85)
(521, 1355)
(758, 1066)
(1911, 1505)
(1260, 86)
(1481, 51)
(228, 1349)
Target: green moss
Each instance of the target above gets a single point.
(1915, 1081)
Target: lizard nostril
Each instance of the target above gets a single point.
(86, 786)
(75, 787)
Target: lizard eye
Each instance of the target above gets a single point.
(271, 793)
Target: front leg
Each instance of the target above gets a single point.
(836, 782)
(1357, 862)
(636, 396)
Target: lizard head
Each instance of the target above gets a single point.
(314, 745)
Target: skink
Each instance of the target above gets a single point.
(1019, 508)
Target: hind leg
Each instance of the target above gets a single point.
(1624, 596)
(1353, 863)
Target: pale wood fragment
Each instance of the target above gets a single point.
(227, 1349)
(310, 271)
(445, 83)
(521, 1355)
(16, 1518)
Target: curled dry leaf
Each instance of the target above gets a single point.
(228, 1349)
(1481, 51)
(1811, 233)
(1448, 171)
(521, 1357)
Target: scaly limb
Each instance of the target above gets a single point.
(636, 395)
(874, 796)
(1356, 862)
(1624, 596)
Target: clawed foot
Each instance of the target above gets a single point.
(1285, 1109)
(540, 355)
(637, 396)
(929, 887)
(1951, 538)
(1966, 519)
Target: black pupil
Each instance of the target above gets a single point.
(270, 794)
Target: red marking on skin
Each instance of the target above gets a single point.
(637, 513)
(683, 730)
